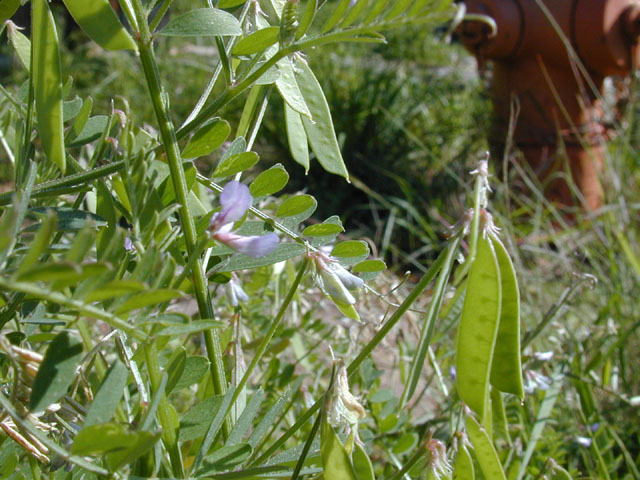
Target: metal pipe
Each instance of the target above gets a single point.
(552, 56)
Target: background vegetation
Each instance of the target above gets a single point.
(410, 116)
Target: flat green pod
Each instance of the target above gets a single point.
(463, 468)
(506, 368)
(484, 451)
(336, 464)
(478, 329)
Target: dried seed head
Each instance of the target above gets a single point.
(344, 409)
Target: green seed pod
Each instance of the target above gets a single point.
(506, 368)
(478, 329)
(483, 448)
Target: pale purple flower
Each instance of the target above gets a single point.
(535, 381)
(543, 356)
(235, 200)
(128, 245)
(235, 293)
(583, 441)
(334, 280)
(337, 283)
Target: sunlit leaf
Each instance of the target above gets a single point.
(203, 22)
(56, 372)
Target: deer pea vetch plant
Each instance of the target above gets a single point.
(104, 398)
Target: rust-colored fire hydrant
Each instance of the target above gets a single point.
(550, 58)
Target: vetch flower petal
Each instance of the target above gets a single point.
(235, 293)
(254, 246)
(235, 200)
(331, 285)
(348, 279)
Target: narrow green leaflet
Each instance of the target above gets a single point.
(320, 131)
(478, 329)
(336, 463)
(56, 372)
(306, 18)
(296, 205)
(369, 266)
(40, 243)
(62, 273)
(269, 182)
(506, 369)
(230, 3)
(141, 442)
(398, 8)
(69, 219)
(195, 368)
(242, 426)
(296, 137)
(145, 299)
(92, 130)
(214, 427)
(116, 288)
(7, 9)
(107, 437)
(207, 139)
(80, 120)
(376, 9)
(203, 22)
(283, 252)
(71, 109)
(288, 88)
(272, 415)
(236, 164)
(99, 21)
(196, 326)
(224, 458)
(354, 13)
(256, 42)
(109, 394)
(195, 423)
(339, 10)
(322, 229)
(47, 82)
(350, 248)
(486, 454)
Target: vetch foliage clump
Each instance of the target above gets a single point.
(162, 319)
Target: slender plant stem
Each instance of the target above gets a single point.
(162, 10)
(224, 59)
(430, 320)
(272, 330)
(366, 351)
(160, 101)
(169, 436)
(415, 458)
